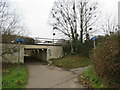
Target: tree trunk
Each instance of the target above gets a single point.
(81, 26)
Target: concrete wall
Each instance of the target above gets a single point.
(35, 47)
(54, 52)
(42, 54)
(28, 52)
(13, 57)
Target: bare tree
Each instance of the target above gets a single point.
(68, 15)
(88, 15)
(10, 26)
(64, 15)
(109, 25)
(63, 18)
(10, 21)
(74, 18)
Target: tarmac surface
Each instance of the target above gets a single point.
(48, 76)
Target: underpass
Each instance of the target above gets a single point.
(39, 52)
(35, 55)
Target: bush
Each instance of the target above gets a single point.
(82, 49)
(67, 48)
(106, 60)
(85, 48)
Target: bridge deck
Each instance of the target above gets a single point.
(35, 47)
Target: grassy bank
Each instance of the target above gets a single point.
(90, 79)
(69, 62)
(15, 76)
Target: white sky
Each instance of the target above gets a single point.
(36, 14)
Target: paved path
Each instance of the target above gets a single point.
(44, 76)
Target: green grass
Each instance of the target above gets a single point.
(90, 78)
(70, 62)
(15, 77)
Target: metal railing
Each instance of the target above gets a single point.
(49, 41)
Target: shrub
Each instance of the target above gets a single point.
(84, 49)
(106, 60)
(67, 48)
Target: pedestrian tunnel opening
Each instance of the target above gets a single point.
(35, 55)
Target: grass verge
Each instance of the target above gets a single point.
(15, 76)
(89, 79)
(70, 62)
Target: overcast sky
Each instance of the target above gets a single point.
(36, 14)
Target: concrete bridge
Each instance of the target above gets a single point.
(40, 52)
